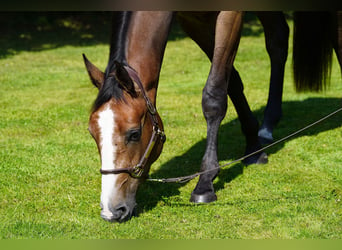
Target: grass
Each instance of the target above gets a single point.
(49, 180)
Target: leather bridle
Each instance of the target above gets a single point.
(137, 171)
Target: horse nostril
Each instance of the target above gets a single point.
(121, 212)
(122, 209)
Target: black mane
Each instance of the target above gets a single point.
(110, 88)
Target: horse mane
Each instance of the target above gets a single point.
(110, 88)
(120, 24)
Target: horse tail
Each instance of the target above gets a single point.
(312, 50)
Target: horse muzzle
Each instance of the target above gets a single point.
(119, 213)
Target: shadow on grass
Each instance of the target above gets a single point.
(297, 114)
(38, 31)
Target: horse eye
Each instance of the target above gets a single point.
(133, 135)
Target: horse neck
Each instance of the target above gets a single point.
(147, 36)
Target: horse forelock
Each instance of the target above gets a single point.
(109, 90)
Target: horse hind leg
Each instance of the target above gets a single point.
(276, 38)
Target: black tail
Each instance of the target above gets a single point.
(312, 50)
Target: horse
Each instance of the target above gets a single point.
(316, 35)
(124, 121)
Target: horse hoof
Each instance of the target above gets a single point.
(256, 159)
(203, 198)
(263, 159)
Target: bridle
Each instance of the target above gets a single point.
(137, 171)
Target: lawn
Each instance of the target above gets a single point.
(49, 178)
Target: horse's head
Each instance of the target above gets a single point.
(129, 136)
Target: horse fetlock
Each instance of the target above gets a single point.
(265, 136)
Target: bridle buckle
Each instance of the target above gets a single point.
(137, 171)
(161, 135)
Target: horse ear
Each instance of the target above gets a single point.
(96, 75)
(123, 78)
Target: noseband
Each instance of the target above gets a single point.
(157, 133)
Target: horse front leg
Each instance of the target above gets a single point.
(214, 99)
(249, 124)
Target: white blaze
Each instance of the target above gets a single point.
(106, 125)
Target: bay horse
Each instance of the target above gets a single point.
(124, 121)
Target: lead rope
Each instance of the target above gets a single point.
(183, 179)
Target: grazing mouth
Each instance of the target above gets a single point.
(121, 214)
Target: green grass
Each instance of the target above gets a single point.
(49, 179)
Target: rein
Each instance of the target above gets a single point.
(137, 171)
(183, 179)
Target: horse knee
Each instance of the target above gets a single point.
(214, 102)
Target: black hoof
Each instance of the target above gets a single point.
(203, 198)
(256, 159)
